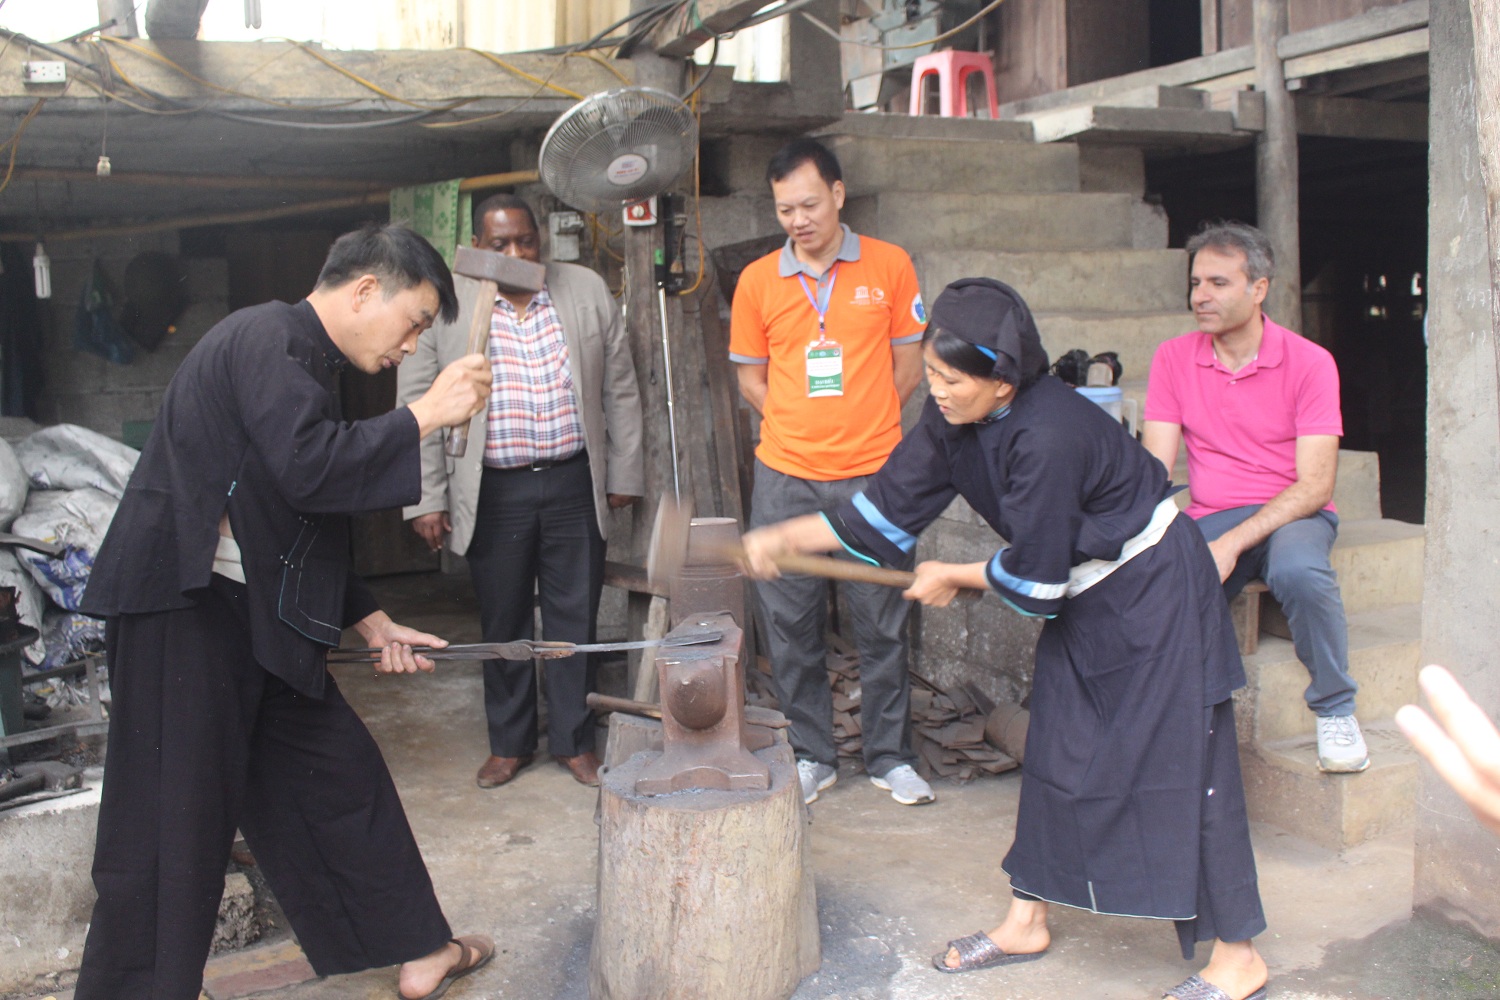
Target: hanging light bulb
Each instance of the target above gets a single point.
(103, 168)
(42, 265)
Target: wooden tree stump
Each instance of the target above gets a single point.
(703, 893)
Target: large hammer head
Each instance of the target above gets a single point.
(510, 274)
(668, 550)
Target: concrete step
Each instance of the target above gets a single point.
(1134, 336)
(882, 163)
(929, 127)
(1356, 493)
(1379, 563)
(1178, 128)
(1100, 281)
(1284, 787)
(1003, 222)
(1385, 651)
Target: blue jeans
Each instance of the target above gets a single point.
(1294, 564)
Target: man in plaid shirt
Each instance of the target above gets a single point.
(562, 445)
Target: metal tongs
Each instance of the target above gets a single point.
(524, 649)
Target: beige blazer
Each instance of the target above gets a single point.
(604, 387)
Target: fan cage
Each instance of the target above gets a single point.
(618, 146)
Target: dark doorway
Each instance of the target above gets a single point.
(1176, 31)
(1364, 253)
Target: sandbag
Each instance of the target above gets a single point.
(77, 519)
(69, 457)
(14, 485)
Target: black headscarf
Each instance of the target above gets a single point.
(993, 317)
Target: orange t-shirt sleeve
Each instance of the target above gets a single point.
(748, 342)
(909, 316)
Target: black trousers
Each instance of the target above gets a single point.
(536, 534)
(203, 740)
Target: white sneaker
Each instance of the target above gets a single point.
(1341, 746)
(905, 785)
(815, 777)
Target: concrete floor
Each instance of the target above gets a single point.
(893, 882)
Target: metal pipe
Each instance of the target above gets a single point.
(666, 360)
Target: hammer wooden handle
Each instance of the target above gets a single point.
(829, 568)
(479, 333)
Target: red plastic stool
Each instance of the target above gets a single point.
(953, 70)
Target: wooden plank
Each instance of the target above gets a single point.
(1031, 49)
(1351, 118)
(1377, 23)
(1210, 21)
(1187, 73)
(1378, 50)
(679, 35)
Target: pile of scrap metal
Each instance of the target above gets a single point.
(59, 487)
(33, 782)
(948, 727)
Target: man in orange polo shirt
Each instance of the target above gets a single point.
(827, 336)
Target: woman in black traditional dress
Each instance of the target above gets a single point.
(1131, 802)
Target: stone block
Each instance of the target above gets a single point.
(1106, 282)
(44, 852)
(1134, 336)
(943, 220)
(921, 166)
(1284, 787)
(1385, 650)
(1112, 168)
(1379, 563)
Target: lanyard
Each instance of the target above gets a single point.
(821, 301)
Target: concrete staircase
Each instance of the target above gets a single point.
(1067, 227)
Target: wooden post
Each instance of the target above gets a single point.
(1486, 18)
(1276, 167)
(703, 894)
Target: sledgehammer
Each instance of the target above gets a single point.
(495, 272)
(669, 551)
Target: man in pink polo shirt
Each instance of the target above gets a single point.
(1258, 407)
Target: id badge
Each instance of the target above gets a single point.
(825, 369)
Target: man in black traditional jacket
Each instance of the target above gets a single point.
(224, 580)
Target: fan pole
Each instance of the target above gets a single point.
(666, 360)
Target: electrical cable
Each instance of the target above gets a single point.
(713, 60)
(14, 142)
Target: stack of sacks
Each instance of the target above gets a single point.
(61, 484)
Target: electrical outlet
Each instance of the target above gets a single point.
(50, 71)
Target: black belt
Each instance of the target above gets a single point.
(540, 465)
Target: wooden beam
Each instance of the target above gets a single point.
(1376, 23)
(213, 219)
(679, 35)
(247, 75)
(1210, 20)
(1276, 167)
(217, 182)
(1377, 50)
(1351, 118)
